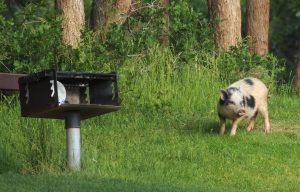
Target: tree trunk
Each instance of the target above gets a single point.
(297, 72)
(226, 19)
(73, 20)
(11, 6)
(258, 26)
(164, 37)
(106, 12)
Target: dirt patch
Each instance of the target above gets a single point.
(285, 126)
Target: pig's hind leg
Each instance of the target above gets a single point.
(264, 112)
(252, 122)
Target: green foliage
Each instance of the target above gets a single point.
(2, 6)
(31, 40)
(284, 29)
(24, 49)
(189, 31)
(240, 63)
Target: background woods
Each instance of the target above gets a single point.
(179, 25)
(106, 12)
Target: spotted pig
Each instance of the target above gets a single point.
(243, 99)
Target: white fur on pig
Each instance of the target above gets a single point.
(243, 99)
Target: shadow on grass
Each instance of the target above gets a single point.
(200, 125)
(206, 125)
(15, 182)
(6, 162)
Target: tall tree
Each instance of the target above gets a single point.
(164, 37)
(226, 19)
(10, 5)
(297, 72)
(258, 26)
(73, 20)
(106, 12)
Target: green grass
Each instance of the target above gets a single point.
(77, 183)
(163, 139)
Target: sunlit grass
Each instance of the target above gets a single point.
(163, 139)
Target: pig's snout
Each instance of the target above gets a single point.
(241, 112)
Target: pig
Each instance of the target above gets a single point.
(241, 100)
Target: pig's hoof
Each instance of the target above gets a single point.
(268, 131)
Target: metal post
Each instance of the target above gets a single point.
(72, 123)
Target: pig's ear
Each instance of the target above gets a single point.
(223, 95)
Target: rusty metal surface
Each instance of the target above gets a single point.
(9, 81)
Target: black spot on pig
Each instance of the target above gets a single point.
(220, 116)
(249, 81)
(243, 102)
(222, 102)
(223, 97)
(226, 102)
(250, 101)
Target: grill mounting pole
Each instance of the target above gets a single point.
(72, 124)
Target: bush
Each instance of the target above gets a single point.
(23, 47)
(30, 40)
(240, 63)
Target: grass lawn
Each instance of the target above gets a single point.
(15, 182)
(163, 155)
(163, 139)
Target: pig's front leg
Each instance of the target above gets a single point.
(222, 125)
(234, 126)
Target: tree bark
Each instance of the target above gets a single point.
(226, 20)
(73, 20)
(11, 6)
(164, 37)
(297, 72)
(258, 26)
(106, 12)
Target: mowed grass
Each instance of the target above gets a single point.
(158, 158)
(163, 139)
